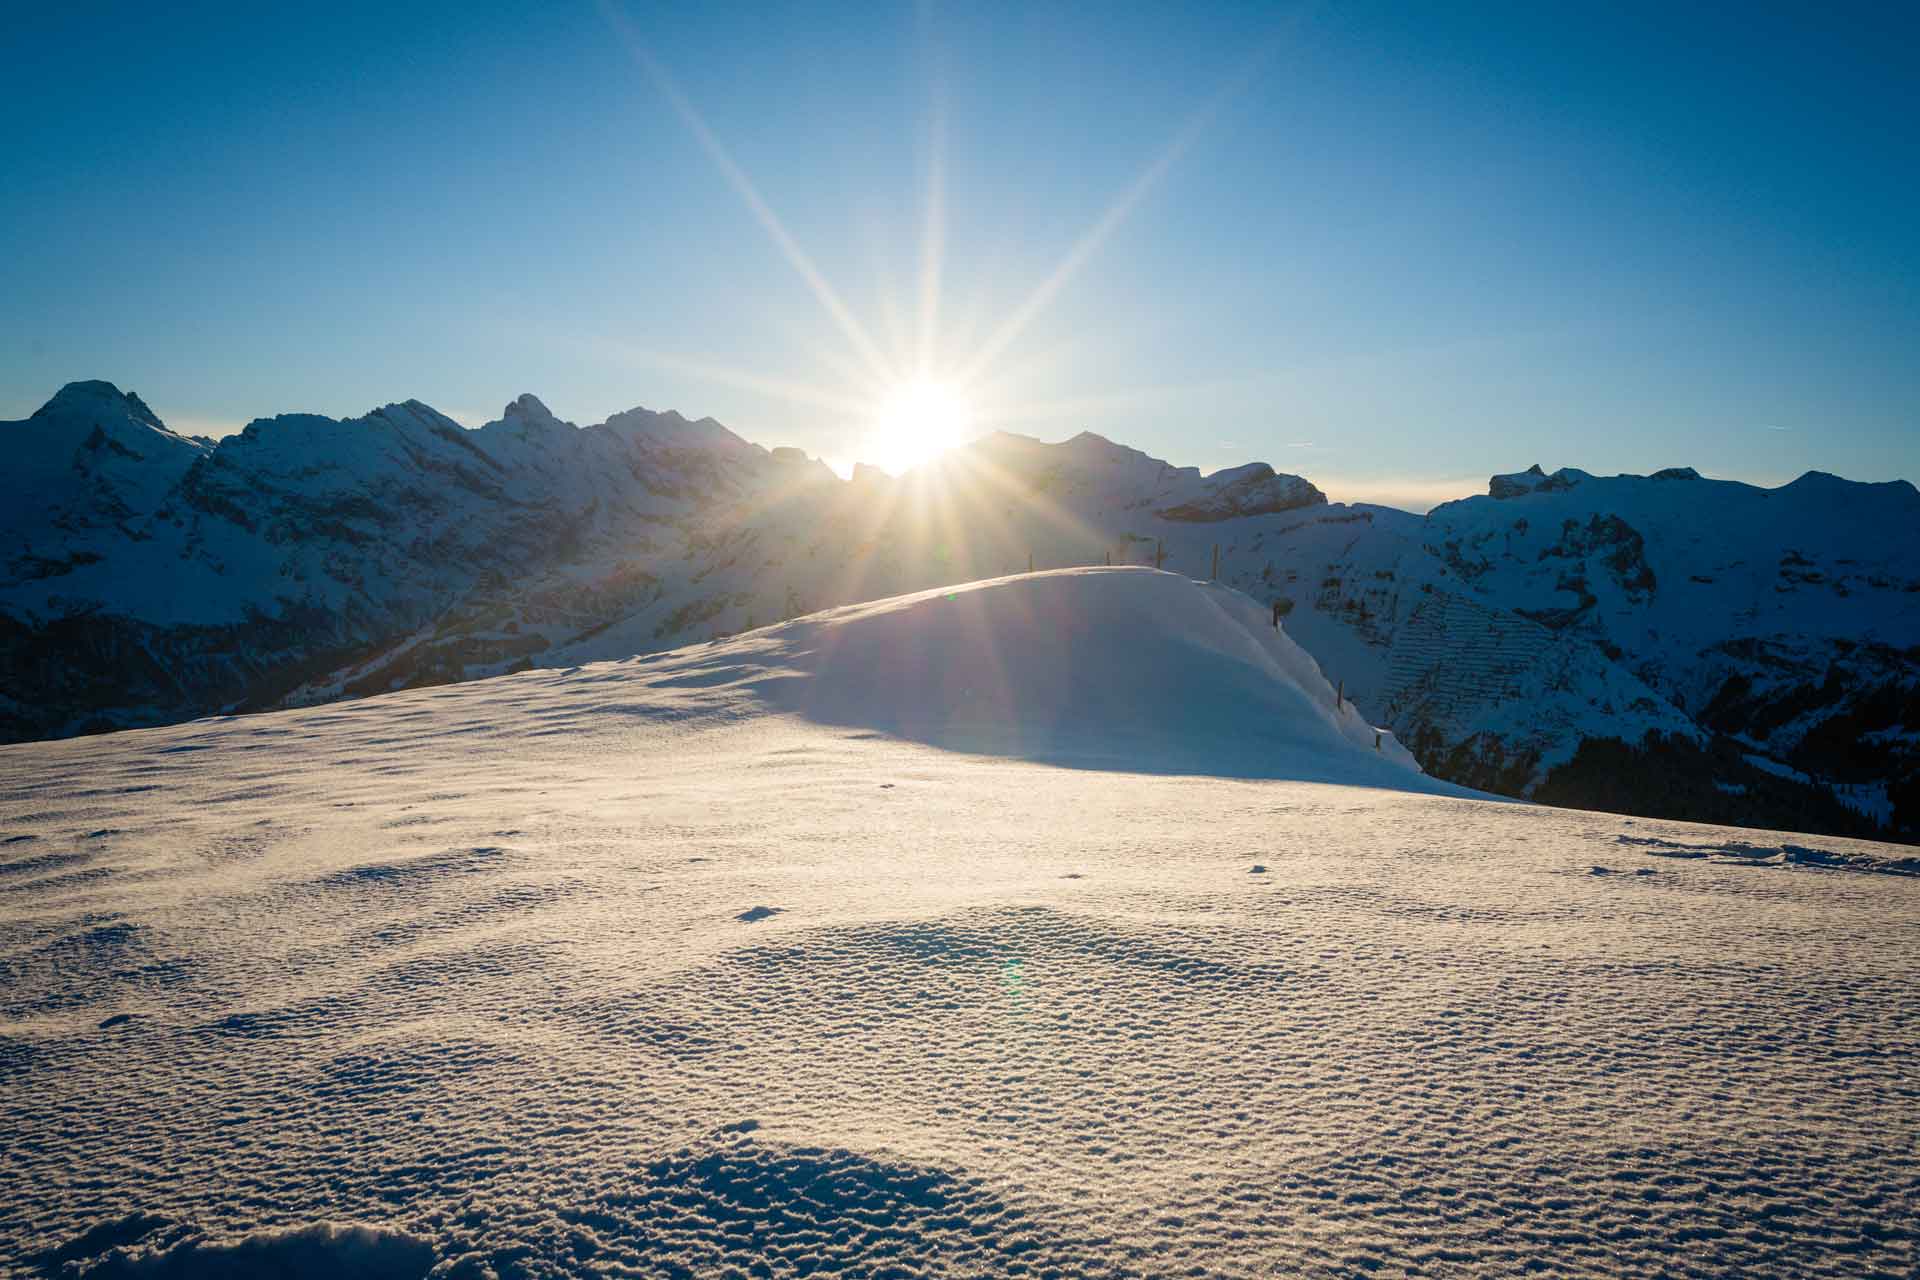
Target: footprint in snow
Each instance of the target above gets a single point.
(753, 915)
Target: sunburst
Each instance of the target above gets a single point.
(916, 422)
(929, 399)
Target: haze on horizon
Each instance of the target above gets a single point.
(1393, 252)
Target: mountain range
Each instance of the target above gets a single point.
(1664, 644)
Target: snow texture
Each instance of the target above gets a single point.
(702, 964)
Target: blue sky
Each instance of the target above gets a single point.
(1394, 251)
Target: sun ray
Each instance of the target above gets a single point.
(972, 467)
(933, 229)
(854, 377)
(987, 541)
(1130, 196)
(787, 389)
(1023, 411)
(744, 187)
(948, 517)
(870, 516)
(898, 325)
(917, 404)
(932, 253)
(915, 422)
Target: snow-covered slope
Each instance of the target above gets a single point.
(83, 472)
(1753, 653)
(710, 963)
(1127, 668)
(1788, 618)
(233, 572)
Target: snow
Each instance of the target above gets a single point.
(89, 459)
(1816, 559)
(719, 962)
(670, 430)
(1097, 666)
(1774, 767)
(307, 558)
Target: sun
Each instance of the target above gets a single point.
(916, 422)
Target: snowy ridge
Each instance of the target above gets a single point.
(152, 577)
(1024, 666)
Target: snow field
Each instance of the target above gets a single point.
(477, 979)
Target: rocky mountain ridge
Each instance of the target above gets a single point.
(1651, 643)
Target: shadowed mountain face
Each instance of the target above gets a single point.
(1664, 644)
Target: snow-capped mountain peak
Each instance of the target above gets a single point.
(670, 429)
(97, 399)
(309, 558)
(1534, 480)
(1251, 490)
(527, 409)
(93, 458)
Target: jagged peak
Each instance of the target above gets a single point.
(671, 427)
(417, 410)
(1245, 473)
(1251, 489)
(1091, 437)
(1091, 444)
(96, 396)
(1534, 480)
(527, 407)
(526, 414)
(83, 391)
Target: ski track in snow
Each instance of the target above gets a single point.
(615, 971)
